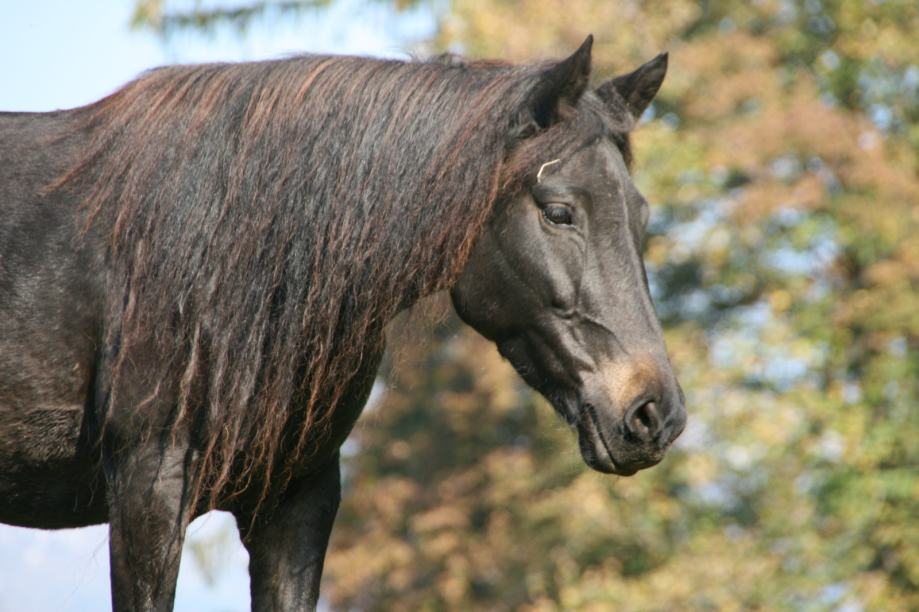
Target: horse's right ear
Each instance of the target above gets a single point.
(637, 88)
(561, 84)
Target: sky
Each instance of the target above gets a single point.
(60, 54)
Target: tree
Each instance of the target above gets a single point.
(782, 169)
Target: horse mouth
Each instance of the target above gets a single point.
(597, 451)
(596, 447)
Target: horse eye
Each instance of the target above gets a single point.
(559, 214)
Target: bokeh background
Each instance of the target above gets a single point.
(782, 162)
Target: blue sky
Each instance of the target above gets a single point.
(60, 54)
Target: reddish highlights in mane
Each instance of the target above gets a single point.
(266, 220)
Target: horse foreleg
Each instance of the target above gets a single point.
(148, 514)
(287, 549)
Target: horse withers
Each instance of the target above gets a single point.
(196, 273)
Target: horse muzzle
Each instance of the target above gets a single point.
(625, 441)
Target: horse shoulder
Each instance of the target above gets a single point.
(48, 322)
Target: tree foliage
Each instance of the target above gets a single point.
(167, 17)
(782, 169)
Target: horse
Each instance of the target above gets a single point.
(197, 273)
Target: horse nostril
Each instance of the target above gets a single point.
(643, 421)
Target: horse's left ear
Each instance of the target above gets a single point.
(637, 88)
(560, 84)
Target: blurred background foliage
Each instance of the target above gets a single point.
(783, 164)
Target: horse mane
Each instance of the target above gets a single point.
(264, 221)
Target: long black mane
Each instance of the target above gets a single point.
(265, 220)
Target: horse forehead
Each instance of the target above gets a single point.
(599, 168)
(597, 158)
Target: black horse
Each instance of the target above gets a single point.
(196, 273)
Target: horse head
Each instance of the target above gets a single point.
(556, 278)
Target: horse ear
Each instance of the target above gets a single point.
(560, 84)
(637, 88)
